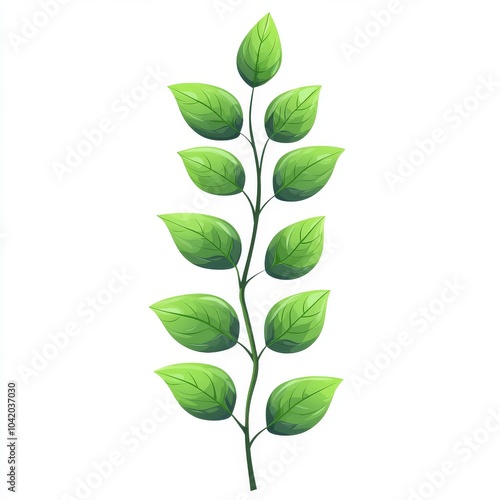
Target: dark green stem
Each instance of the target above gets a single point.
(257, 435)
(243, 282)
(251, 389)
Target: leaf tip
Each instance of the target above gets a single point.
(175, 88)
(336, 381)
(165, 218)
(337, 151)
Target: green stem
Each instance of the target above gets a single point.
(249, 353)
(251, 389)
(243, 282)
(257, 435)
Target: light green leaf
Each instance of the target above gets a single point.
(259, 56)
(214, 170)
(295, 323)
(300, 174)
(205, 241)
(204, 391)
(204, 323)
(295, 250)
(298, 405)
(291, 115)
(210, 111)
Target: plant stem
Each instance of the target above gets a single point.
(257, 435)
(255, 373)
(243, 282)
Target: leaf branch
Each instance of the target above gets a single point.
(257, 435)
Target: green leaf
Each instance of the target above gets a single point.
(300, 174)
(214, 170)
(205, 241)
(210, 111)
(291, 115)
(203, 323)
(295, 323)
(295, 250)
(298, 405)
(259, 56)
(204, 391)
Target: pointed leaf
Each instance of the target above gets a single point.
(291, 115)
(210, 111)
(300, 174)
(214, 170)
(295, 323)
(203, 323)
(259, 56)
(205, 241)
(298, 405)
(204, 391)
(295, 250)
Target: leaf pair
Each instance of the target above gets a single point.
(206, 323)
(208, 393)
(216, 114)
(213, 243)
(298, 175)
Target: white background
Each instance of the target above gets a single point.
(389, 252)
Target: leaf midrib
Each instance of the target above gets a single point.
(262, 40)
(277, 131)
(302, 171)
(296, 321)
(195, 318)
(205, 238)
(277, 263)
(201, 390)
(299, 402)
(212, 170)
(210, 108)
